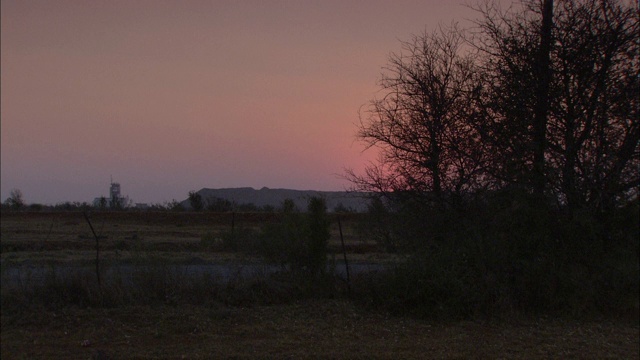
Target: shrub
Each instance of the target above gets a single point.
(510, 251)
(376, 225)
(299, 241)
(318, 235)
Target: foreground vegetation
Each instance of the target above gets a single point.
(159, 312)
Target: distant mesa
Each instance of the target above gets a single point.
(275, 197)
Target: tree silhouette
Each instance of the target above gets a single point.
(421, 122)
(195, 200)
(15, 200)
(561, 100)
(541, 96)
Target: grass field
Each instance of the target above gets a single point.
(311, 329)
(301, 327)
(67, 235)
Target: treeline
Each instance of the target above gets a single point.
(198, 203)
(15, 202)
(509, 157)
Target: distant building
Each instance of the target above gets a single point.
(114, 191)
(115, 199)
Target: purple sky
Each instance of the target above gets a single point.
(172, 96)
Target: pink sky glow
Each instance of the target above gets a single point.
(173, 96)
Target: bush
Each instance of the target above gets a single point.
(376, 224)
(282, 242)
(299, 241)
(510, 251)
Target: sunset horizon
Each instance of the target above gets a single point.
(168, 97)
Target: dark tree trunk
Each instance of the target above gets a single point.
(542, 98)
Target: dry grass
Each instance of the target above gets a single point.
(314, 329)
(69, 231)
(65, 236)
(309, 329)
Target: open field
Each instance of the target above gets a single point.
(311, 329)
(324, 326)
(65, 236)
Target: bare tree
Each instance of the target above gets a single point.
(543, 74)
(543, 96)
(561, 108)
(195, 200)
(420, 122)
(594, 122)
(514, 47)
(15, 200)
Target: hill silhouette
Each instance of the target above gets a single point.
(274, 197)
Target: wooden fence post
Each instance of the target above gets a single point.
(97, 249)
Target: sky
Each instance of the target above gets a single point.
(166, 97)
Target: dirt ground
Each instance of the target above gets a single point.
(326, 329)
